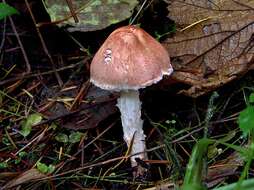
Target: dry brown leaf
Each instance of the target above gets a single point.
(214, 42)
(90, 117)
(96, 106)
(25, 177)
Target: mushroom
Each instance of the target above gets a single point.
(130, 59)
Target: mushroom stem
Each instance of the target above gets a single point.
(130, 108)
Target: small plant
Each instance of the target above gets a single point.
(27, 124)
(74, 137)
(46, 169)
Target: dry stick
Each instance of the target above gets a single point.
(73, 14)
(82, 92)
(109, 127)
(142, 6)
(84, 167)
(99, 163)
(28, 67)
(44, 73)
(28, 144)
(9, 138)
(3, 36)
(59, 80)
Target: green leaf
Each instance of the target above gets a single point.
(193, 176)
(43, 168)
(93, 14)
(75, 137)
(22, 154)
(51, 168)
(53, 126)
(61, 137)
(246, 120)
(6, 10)
(3, 165)
(17, 161)
(251, 98)
(27, 124)
(212, 151)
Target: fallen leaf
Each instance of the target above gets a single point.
(96, 106)
(92, 14)
(214, 42)
(90, 115)
(25, 177)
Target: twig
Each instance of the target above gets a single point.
(100, 163)
(73, 14)
(36, 74)
(142, 6)
(28, 144)
(59, 80)
(84, 147)
(83, 91)
(28, 67)
(3, 36)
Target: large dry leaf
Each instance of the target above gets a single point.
(214, 42)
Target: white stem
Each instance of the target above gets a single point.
(130, 108)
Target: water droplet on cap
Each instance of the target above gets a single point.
(108, 56)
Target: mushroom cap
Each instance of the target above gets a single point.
(129, 59)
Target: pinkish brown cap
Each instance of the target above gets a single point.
(129, 59)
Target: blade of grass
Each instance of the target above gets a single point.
(193, 175)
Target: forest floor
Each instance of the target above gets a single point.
(57, 131)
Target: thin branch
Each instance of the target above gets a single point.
(72, 10)
(59, 80)
(44, 73)
(3, 36)
(28, 67)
